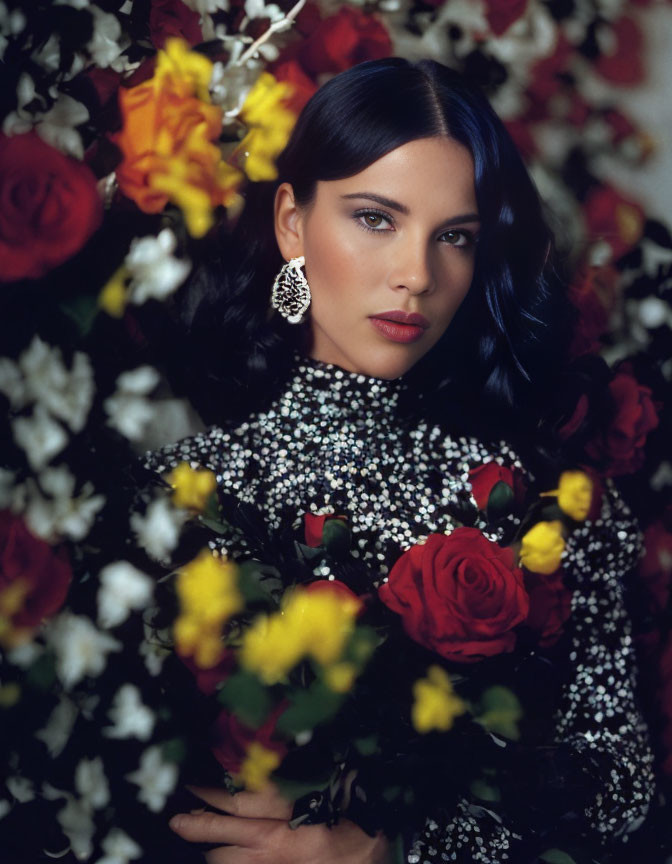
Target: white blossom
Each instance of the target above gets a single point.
(123, 588)
(258, 9)
(40, 436)
(91, 783)
(21, 788)
(77, 823)
(66, 394)
(155, 777)
(155, 272)
(11, 383)
(131, 718)
(62, 514)
(81, 649)
(159, 529)
(532, 36)
(119, 848)
(105, 46)
(207, 7)
(59, 726)
(5, 806)
(128, 409)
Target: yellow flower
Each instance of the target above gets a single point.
(340, 677)
(208, 591)
(436, 705)
(323, 620)
(114, 296)
(258, 766)
(575, 492)
(270, 649)
(542, 547)
(270, 124)
(192, 486)
(191, 70)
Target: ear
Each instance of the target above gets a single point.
(288, 221)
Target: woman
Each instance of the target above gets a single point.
(418, 325)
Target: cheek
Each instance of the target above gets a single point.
(339, 265)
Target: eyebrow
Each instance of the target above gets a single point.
(402, 208)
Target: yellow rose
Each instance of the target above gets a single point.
(192, 486)
(575, 493)
(542, 547)
(436, 705)
(257, 767)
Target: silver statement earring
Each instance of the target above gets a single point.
(291, 292)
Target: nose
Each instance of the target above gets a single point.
(412, 267)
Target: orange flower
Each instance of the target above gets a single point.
(167, 139)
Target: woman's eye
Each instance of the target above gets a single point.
(458, 238)
(371, 220)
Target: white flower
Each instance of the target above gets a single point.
(49, 55)
(59, 726)
(57, 126)
(155, 777)
(91, 783)
(67, 395)
(207, 6)
(257, 9)
(5, 806)
(81, 649)
(104, 46)
(78, 826)
(152, 650)
(128, 409)
(62, 514)
(155, 272)
(40, 436)
(119, 848)
(11, 383)
(21, 788)
(532, 36)
(131, 718)
(159, 529)
(123, 587)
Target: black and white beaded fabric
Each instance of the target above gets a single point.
(334, 442)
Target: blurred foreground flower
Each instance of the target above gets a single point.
(167, 141)
(542, 547)
(575, 493)
(208, 591)
(436, 705)
(270, 124)
(191, 486)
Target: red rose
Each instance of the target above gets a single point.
(341, 41)
(231, 738)
(49, 207)
(550, 605)
(655, 568)
(623, 442)
(623, 62)
(336, 587)
(484, 478)
(43, 570)
(593, 293)
(460, 595)
(313, 527)
(207, 680)
(173, 18)
(291, 71)
(613, 218)
(502, 13)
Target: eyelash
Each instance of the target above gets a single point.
(470, 238)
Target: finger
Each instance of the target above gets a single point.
(218, 828)
(268, 803)
(229, 855)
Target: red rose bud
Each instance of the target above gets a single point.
(43, 571)
(231, 738)
(314, 527)
(49, 207)
(459, 595)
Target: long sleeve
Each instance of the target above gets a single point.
(598, 719)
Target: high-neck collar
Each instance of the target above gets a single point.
(328, 391)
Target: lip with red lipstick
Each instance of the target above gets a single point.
(400, 326)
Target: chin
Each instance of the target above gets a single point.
(388, 364)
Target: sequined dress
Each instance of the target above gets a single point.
(334, 442)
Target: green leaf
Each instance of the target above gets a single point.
(174, 750)
(336, 537)
(82, 311)
(308, 708)
(366, 746)
(499, 501)
(245, 695)
(42, 674)
(294, 789)
(556, 856)
(499, 712)
(485, 791)
(260, 582)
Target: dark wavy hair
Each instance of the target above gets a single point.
(511, 333)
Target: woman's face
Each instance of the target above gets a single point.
(395, 240)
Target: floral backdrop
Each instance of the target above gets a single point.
(130, 129)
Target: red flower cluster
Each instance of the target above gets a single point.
(231, 738)
(49, 207)
(42, 571)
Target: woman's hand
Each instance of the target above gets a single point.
(253, 830)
